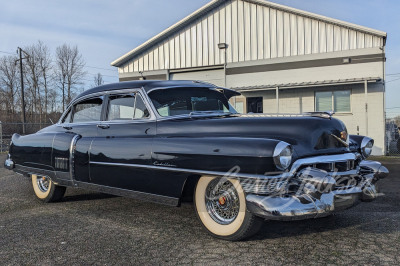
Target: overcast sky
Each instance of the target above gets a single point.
(105, 30)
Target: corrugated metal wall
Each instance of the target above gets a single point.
(252, 32)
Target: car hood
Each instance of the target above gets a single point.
(308, 135)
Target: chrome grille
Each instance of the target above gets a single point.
(338, 166)
(265, 186)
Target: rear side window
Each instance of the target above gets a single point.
(87, 111)
(127, 107)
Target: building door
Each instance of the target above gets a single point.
(255, 105)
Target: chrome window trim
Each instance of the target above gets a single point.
(71, 104)
(163, 118)
(141, 92)
(142, 120)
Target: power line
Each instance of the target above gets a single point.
(392, 80)
(6, 53)
(101, 68)
(103, 75)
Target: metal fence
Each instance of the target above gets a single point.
(392, 137)
(8, 129)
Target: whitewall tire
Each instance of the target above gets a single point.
(45, 190)
(220, 205)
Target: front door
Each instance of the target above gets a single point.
(122, 151)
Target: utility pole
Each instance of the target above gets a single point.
(20, 51)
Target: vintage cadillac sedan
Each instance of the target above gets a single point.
(176, 141)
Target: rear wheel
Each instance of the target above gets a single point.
(45, 190)
(220, 204)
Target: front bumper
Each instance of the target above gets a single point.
(326, 199)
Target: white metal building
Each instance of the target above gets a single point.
(283, 60)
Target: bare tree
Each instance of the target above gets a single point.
(9, 84)
(32, 76)
(98, 80)
(45, 66)
(68, 71)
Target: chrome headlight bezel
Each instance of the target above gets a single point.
(283, 155)
(366, 147)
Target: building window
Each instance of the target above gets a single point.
(255, 105)
(337, 101)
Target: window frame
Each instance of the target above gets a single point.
(162, 118)
(71, 109)
(105, 95)
(136, 94)
(333, 100)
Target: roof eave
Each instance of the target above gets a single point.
(320, 17)
(167, 31)
(184, 22)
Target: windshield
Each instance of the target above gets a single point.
(190, 101)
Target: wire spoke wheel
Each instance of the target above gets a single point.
(220, 204)
(222, 201)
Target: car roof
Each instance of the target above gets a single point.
(149, 85)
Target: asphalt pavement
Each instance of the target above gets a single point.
(89, 228)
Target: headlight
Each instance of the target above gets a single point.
(283, 155)
(366, 146)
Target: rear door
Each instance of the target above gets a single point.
(122, 151)
(82, 120)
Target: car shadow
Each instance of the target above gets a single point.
(338, 221)
(86, 197)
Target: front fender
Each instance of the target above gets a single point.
(220, 154)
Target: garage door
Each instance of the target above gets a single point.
(212, 76)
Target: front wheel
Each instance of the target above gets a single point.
(220, 205)
(45, 190)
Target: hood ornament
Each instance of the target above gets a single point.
(340, 140)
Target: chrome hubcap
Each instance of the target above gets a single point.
(43, 183)
(222, 201)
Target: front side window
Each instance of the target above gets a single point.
(337, 101)
(87, 111)
(184, 101)
(127, 107)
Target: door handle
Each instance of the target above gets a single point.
(103, 126)
(67, 127)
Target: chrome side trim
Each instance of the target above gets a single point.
(72, 149)
(296, 165)
(183, 170)
(166, 200)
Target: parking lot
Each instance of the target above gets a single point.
(93, 228)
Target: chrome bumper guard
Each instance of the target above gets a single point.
(9, 164)
(315, 203)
